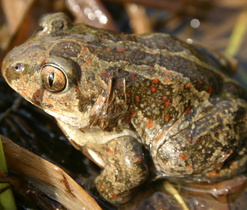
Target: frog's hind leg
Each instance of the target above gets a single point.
(208, 143)
(125, 169)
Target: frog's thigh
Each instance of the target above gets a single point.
(209, 143)
(124, 171)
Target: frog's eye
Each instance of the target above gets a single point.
(53, 79)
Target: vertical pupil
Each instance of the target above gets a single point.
(51, 79)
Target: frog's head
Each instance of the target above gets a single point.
(43, 70)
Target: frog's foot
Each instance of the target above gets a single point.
(209, 143)
(125, 170)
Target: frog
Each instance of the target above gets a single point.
(142, 107)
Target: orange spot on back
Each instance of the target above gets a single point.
(153, 89)
(137, 99)
(121, 49)
(167, 116)
(232, 165)
(187, 111)
(167, 103)
(114, 195)
(168, 79)
(132, 114)
(133, 76)
(150, 123)
(104, 74)
(210, 90)
(182, 156)
(127, 118)
(155, 80)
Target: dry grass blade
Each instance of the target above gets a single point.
(139, 20)
(47, 177)
(92, 13)
(237, 35)
(14, 18)
(172, 190)
(231, 4)
(192, 8)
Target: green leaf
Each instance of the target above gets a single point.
(7, 201)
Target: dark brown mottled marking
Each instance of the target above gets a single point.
(37, 96)
(181, 65)
(66, 184)
(66, 49)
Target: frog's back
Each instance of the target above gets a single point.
(164, 77)
(153, 56)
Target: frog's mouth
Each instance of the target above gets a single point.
(31, 94)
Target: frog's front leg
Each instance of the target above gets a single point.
(125, 169)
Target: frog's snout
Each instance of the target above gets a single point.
(14, 72)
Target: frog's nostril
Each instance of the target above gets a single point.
(19, 67)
